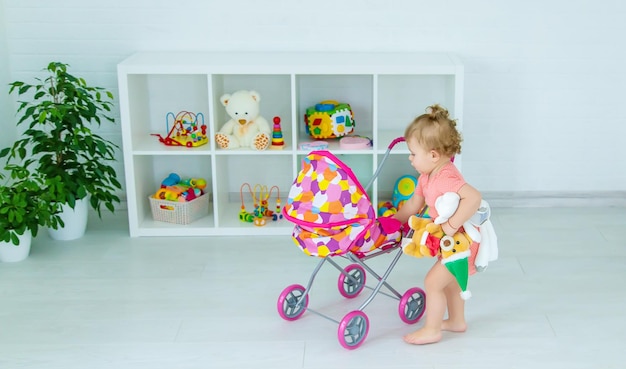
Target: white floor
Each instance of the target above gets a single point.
(555, 299)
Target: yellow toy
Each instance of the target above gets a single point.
(329, 119)
(455, 252)
(416, 245)
(428, 240)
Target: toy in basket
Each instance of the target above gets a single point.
(329, 119)
(260, 196)
(180, 201)
(334, 217)
(186, 130)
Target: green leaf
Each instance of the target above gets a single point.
(61, 148)
(42, 116)
(23, 89)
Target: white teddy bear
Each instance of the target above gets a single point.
(246, 128)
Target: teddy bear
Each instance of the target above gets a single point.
(246, 128)
(415, 245)
(455, 253)
(479, 227)
(428, 240)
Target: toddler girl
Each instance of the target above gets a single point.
(433, 140)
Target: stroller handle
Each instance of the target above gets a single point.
(395, 142)
(382, 162)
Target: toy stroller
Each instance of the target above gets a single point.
(333, 216)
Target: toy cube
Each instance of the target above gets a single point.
(329, 119)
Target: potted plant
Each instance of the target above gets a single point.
(26, 203)
(59, 113)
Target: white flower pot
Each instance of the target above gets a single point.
(75, 221)
(9, 253)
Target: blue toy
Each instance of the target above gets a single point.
(403, 190)
(171, 180)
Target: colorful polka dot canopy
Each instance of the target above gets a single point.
(331, 211)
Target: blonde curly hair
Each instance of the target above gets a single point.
(435, 130)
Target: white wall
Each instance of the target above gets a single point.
(6, 108)
(544, 84)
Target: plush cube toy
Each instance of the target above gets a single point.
(329, 119)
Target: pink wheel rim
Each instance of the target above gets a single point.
(343, 280)
(353, 330)
(411, 306)
(287, 302)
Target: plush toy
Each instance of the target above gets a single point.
(246, 128)
(428, 240)
(478, 227)
(446, 206)
(455, 252)
(419, 245)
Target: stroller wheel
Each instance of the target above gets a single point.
(412, 305)
(290, 302)
(350, 287)
(353, 329)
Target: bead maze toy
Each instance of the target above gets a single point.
(329, 119)
(188, 130)
(260, 197)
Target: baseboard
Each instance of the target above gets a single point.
(556, 199)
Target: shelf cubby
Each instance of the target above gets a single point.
(386, 91)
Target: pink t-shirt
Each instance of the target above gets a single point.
(448, 179)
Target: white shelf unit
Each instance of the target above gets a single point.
(385, 90)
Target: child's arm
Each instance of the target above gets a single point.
(410, 207)
(468, 205)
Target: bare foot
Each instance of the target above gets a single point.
(450, 326)
(423, 336)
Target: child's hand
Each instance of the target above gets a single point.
(448, 229)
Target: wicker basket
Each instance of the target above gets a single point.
(180, 212)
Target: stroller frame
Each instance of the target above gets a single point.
(354, 326)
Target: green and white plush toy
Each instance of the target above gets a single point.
(458, 265)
